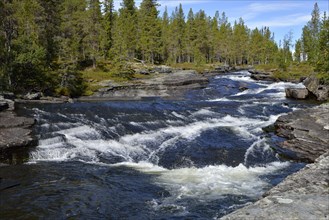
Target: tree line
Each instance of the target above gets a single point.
(45, 43)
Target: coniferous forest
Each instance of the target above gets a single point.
(45, 45)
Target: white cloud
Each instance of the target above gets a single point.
(283, 21)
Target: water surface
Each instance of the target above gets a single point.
(197, 158)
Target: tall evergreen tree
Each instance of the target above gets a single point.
(93, 30)
(177, 33)
(310, 36)
(149, 31)
(323, 61)
(165, 36)
(126, 30)
(108, 26)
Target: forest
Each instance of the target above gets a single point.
(47, 45)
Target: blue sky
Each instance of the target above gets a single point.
(280, 15)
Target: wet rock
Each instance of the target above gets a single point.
(296, 93)
(306, 132)
(303, 195)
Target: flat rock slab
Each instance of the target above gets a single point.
(303, 195)
(307, 132)
(15, 131)
(163, 85)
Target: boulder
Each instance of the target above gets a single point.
(33, 96)
(296, 93)
(321, 92)
(312, 84)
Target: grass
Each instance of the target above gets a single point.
(294, 72)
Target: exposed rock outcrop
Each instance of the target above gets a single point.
(165, 85)
(262, 75)
(303, 195)
(307, 132)
(14, 131)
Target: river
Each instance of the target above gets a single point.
(197, 158)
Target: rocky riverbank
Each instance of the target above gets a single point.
(305, 194)
(166, 85)
(15, 131)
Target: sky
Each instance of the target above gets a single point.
(281, 16)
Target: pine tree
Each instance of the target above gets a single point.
(8, 32)
(224, 38)
(310, 36)
(71, 39)
(149, 31)
(50, 28)
(93, 31)
(323, 61)
(177, 33)
(201, 43)
(126, 31)
(165, 36)
(298, 51)
(108, 26)
(190, 34)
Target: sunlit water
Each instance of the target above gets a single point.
(199, 158)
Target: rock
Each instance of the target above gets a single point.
(163, 69)
(261, 75)
(296, 93)
(312, 84)
(303, 195)
(171, 85)
(305, 131)
(15, 131)
(321, 92)
(143, 71)
(3, 105)
(8, 95)
(33, 96)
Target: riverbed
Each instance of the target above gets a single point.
(200, 157)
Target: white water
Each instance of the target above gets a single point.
(140, 151)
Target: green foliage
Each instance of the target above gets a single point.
(59, 44)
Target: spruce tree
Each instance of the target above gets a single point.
(149, 31)
(109, 16)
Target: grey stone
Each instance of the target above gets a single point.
(15, 131)
(305, 130)
(163, 69)
(303, 195)
(321, 92)
(33, 96)
(170, 86)
(311, 83)
(296, 93)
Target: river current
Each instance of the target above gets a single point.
(197, 158)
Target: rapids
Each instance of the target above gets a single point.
(197, 158)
